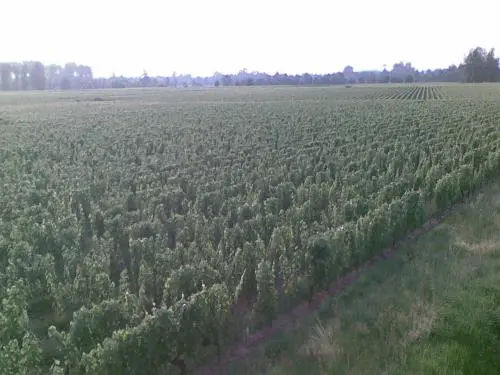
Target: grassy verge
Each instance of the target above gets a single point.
(433, 308)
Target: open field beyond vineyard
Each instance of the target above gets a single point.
(148, 231)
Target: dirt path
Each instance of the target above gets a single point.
(288, 321)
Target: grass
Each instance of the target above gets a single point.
(431, 309)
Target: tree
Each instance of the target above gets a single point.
(65, 83)
(6, 76)
(349, 74)
(480, 66)
(37, 76)
(145, 80)
(492, 66)
(24, 77)
(53, 76)
(15, 69)
(69, 72)
(384, 77)
(307, 79)
(84, 76)
(227, 80)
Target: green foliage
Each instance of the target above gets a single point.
(90, 327)
(143, 236)
(481, 66)
(21, 356)
(265, 308)
(163, 336)
(318, 256)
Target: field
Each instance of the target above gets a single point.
(147, 231)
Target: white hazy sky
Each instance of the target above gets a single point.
(204, 36)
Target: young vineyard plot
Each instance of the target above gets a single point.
(148, 231)
(409, 92)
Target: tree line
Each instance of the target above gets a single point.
(478, 66)
(33, 75)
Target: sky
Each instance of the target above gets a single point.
(201, 37)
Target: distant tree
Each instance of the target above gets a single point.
(401, 71)
(384, 77)
(53, 76)
(306, 79)
(6, 76)
(340, 78)
(372, 78)
(16, 76)
(65, 84)
(84, 76)
(37, 76)
(24, 77)
(492, 66)
(118, 82)
(145, 80)
(227, 80)
(68, 76)
(474, 65)
(349, 74)
(348, 70)
(480, 66)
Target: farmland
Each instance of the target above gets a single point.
(144, 231)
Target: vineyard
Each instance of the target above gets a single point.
(146, 231)
(411, 93)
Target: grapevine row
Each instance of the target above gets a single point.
(408, 93)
